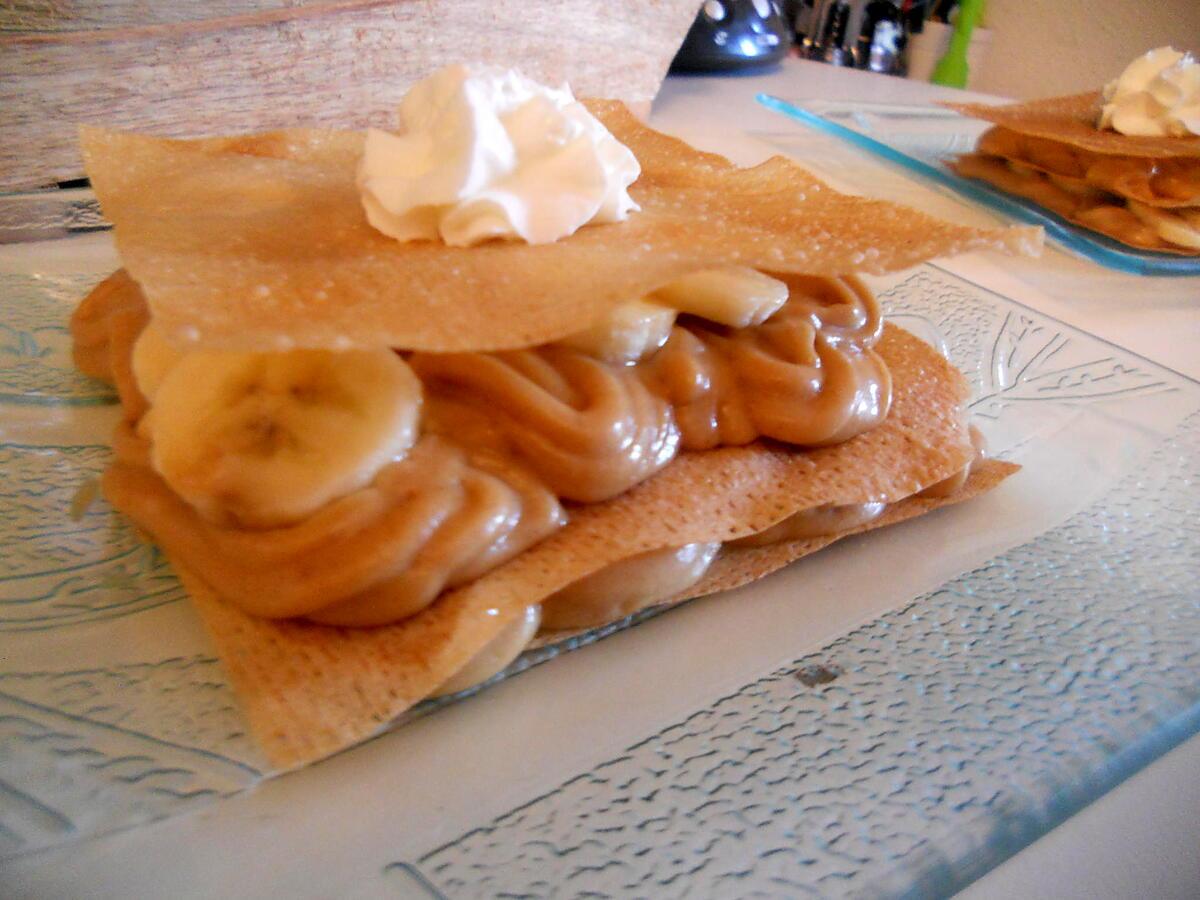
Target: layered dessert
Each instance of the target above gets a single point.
(1124, 162)
(399, 405)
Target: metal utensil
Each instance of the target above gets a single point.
(48, 214)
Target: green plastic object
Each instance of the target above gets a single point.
(952, 69)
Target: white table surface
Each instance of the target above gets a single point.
(1141, 839)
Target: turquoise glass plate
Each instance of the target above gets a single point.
(904, 758)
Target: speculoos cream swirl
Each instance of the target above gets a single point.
(506, 436)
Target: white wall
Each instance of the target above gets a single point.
(1043, 48)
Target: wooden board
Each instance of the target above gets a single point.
(344, 64)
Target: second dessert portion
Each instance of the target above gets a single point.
(1124, 162)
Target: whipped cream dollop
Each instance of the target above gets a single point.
(487, 153)
(1157, 94)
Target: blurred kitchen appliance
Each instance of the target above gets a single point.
(730, 35)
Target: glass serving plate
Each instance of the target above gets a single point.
(825, 731)
(920, 139)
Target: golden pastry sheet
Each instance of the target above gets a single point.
(261, 243)
(310, 690)
(738, 566)
(1072, 120)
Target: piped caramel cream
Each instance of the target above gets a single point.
(627, 586)
(496, 654)
(506, 437)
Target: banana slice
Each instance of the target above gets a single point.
(737, 296)
(631, 331)
(153, 358)
(1177, 229)
(265, 439)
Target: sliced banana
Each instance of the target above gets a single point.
(265, 439)
(628, 333)
(736, 296)
(1178, 229)
(153, 358)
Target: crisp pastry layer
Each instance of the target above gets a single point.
(738, 565)
(240, 241)
(309, 690)
(1072, 120)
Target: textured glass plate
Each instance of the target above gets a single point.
(821, 732)
(920, 139)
